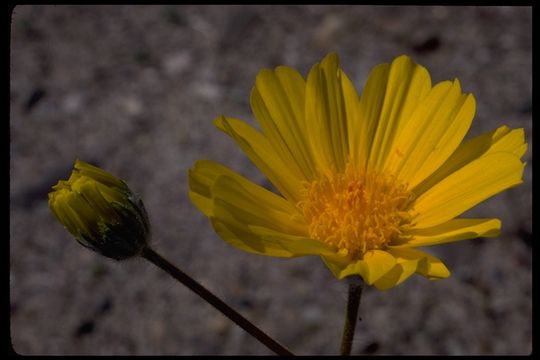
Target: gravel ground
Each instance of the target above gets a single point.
(134, 89)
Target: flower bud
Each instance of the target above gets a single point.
(101, 212)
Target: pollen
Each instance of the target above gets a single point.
(356, 211)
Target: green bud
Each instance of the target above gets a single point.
(101, 212)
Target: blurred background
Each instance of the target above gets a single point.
(134, 90)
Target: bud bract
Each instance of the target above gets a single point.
(101, 212)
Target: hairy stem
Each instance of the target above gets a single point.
(225, 309)
(355, 293)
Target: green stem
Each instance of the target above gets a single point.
(225, 309)
(355, 293)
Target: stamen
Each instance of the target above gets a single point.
(356, 211)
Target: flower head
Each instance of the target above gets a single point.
(101, 212)
(362, 180)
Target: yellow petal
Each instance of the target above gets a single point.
(430, 135)
(326, 121)
(111, 194)
(285, 176)
(467, 187)
(233, 227)
(277, 101)
(298, 245)
(450, 231)
(99, 175)
(238, 235)
(202, 203)
(371, 268)
(406, 264)
(431, 267)
(500, 140)
(398, 274)
(513, 142)
(71, 220)
(93, 193)
(78, 217)
(351, 104)
(202, 179)
(427, 265)
(407, 85)
(369, 109)
(254, 205)
(58, 206)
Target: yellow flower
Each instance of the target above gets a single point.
(364, 180)
(101, 212)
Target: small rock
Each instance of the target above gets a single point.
(177, 62)
(328, 31)
(208, 90)
(72, 103)
(218, 325)
(312, 314)
(131, 106)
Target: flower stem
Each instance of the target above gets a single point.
(355, 293)
(225, 309)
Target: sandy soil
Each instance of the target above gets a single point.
(134, 89)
